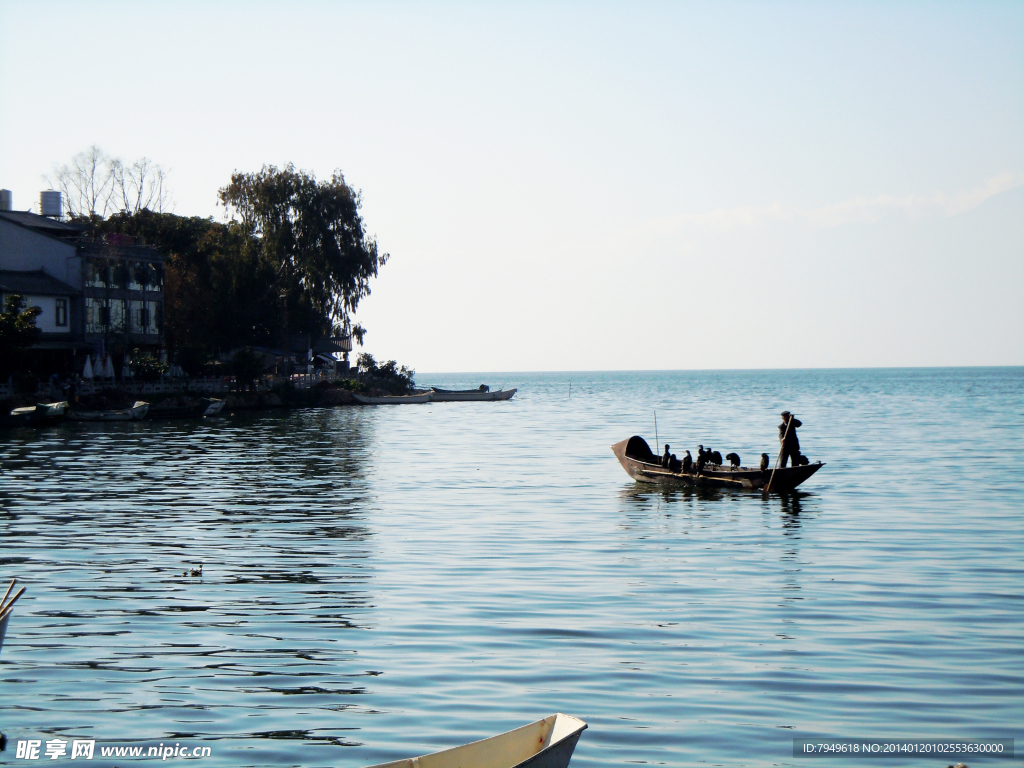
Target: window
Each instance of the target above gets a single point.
(102, 316)
(144, 319)
(156, 277)
(96, 273)
(61, 318)
(118, 274)
(138, 276)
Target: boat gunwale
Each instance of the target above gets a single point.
(580, 726)
(750, 479)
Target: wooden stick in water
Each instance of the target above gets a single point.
(778, 458)
(13, 582)
(657, 442)
(2, 601)
(7, 608)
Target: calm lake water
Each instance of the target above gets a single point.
(380, 582)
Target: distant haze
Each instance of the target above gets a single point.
(569, 185)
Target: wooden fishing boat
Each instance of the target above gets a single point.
(458, 395)
(191, 411)
(136, 413)
(419, 397)
(644, 466)
(547, 743)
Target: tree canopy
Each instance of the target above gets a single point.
(18, 331)
(310, 234)
(294, 258)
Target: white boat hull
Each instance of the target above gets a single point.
(547, 743)
(475, 395)
(392, 399)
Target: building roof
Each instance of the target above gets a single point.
(91, 248)
(36, 283)
(43, 224)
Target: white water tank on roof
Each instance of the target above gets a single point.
(6, 200)
(50, 203)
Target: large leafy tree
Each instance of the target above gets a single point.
(311, 235)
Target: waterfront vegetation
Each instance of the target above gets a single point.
(18, 332)
(292, 258)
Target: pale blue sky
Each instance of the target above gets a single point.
(588, 185)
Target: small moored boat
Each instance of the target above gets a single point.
(136, 413)
(191, 410)
(482, 394)
(419, 397)
(215, 407)
(644, 466)
(547, 743)
(41, 413)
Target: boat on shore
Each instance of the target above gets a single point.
(482, 394)
(644, 466)
(547, 743)
(136, 413)
(418, 397)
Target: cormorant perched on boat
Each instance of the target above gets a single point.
(764, 462)
(801, 461)
(666, 458)
(702, 459)
(734, 459)
(715, 457)
(687, 463)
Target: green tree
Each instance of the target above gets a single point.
(311, 235)
(18, 332)
(388, 376)
(145, 367)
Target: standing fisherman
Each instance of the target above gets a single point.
(787, 436)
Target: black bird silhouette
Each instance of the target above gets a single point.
(687, 462)
(734, 459)
(764, 462)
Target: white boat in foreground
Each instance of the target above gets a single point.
(459, 395)
(6, 606)
(421, 397)
(547, 743)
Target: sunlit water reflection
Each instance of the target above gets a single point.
(380, 582)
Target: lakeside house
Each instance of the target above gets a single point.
(97, 297)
